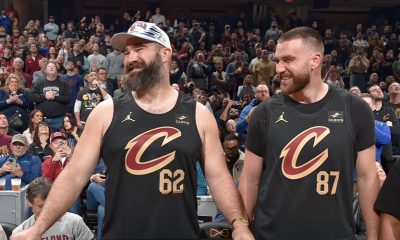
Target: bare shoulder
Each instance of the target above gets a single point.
(204, 119)
(100, 118)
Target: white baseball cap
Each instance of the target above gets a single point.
(141, 30)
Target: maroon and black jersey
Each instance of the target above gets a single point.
(151, 171)
(309, 153)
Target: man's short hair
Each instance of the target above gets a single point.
(39, 187)
(230, 137)
(309, 36)
(101, 68)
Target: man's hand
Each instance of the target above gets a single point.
(27, 234)
(99, 178)
(17, 171)
(49, 95)
(242, 232)
(7, 167)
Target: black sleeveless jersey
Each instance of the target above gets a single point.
(151, 171)
(306, 186)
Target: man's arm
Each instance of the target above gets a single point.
(390, 227)
(249, 180)
(368, 188)
(219, 180)
(74, 177)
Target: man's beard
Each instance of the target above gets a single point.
(145, 79)
(299, 82)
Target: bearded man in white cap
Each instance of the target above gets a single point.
(150, 138)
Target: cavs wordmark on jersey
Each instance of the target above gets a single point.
(306, 185)
(151, 169)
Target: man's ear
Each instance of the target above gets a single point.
(316, 60)
(166, 54)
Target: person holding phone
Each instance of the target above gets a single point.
(52, 166)
(19, 164)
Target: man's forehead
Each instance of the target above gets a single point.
(136, 42)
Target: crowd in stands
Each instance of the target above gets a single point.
(53, 75)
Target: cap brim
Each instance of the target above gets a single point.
(59, 137)
(18, 141)
(118, 41)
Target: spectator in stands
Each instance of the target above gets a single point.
(382, 131)
(69, 226)
(60, 65)
(247, 87)
(333, 77)
(158, 17)
(385, 114)
(330, 43)
(35, 117)
(96, 59)
(88, 98)
(53, 166)
(387, 64)
(376, 62)
(264, 70)
(5, 140)
(40, 74)
(261, 95)
(3, 76)
(40, 145)
(19, 163)
(18, 70)
(5, 126)
(71, 130)
(52, 97)
(359, 42)
(257, 58)
(355, 90)
(344, 48)
(14, 103)
(199, 71)
(394, 102)
(51, 29)
(32, 61)
(105, 83)
(387, 205)
(6, 22)
(95, 194)
(373, 79)
(375, 43)
(6, 61)
(393, 44)
(70, 32)
(177, 74)
(358, 68)
(114, 63)
(78, 57)
(212, 37)
(234, 71)
(231, 129)
(43, 48)
(74, 81)
(233, 155)
(219, 78)
(272, 32)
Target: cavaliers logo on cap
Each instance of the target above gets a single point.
(134, 163)
(292, 150)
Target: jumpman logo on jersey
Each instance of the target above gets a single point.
(281, 118)
(128, 118)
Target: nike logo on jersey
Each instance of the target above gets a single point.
(128, 118)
